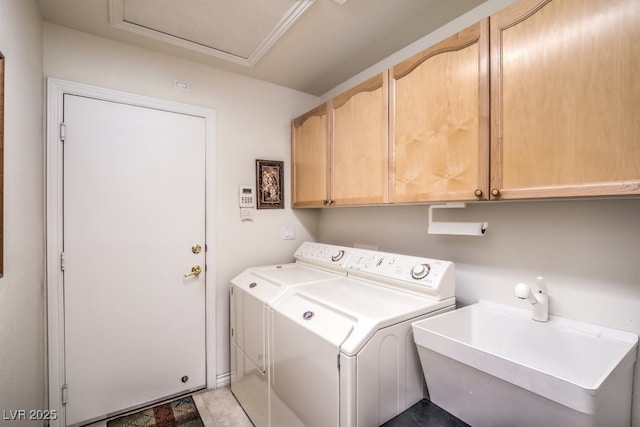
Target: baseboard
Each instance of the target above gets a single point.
(223, 380)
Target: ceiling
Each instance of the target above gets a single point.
(308, 45)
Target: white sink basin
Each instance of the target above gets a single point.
(491, 364)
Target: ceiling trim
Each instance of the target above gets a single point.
(116, 19)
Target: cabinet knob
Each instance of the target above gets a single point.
(478, 192)
(495, 192)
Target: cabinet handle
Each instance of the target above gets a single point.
(478, 192)
(495, 192)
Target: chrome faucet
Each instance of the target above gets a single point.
(537, 297)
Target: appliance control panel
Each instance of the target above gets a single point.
(431, 277)
(323, 255)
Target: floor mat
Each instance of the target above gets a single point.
(181, 412)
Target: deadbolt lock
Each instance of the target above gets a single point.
(196, 249)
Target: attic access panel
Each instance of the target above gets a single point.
(238, 31)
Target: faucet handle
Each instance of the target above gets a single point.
(521, 290)
(537, 297)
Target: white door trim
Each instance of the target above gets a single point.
(53, 212)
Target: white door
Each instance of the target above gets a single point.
(134, 209)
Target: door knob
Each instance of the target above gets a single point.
(195, 270)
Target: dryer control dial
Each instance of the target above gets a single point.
(338, 256)
(420, 271)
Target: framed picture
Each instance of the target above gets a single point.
(270, 184)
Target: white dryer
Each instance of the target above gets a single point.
(342, 351)
(249, 293)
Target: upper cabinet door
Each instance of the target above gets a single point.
(309, 158)
(440, 121)
(565, 81)
(359, 144)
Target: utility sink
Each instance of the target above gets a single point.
(491, 365)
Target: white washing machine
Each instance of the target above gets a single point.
(249, 293)
(342, 351)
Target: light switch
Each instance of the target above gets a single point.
(288, 233)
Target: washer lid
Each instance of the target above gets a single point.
(326, 322)
(367, 307)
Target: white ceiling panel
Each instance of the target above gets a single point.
(308, 45)
(241, 31)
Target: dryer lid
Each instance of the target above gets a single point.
(260, 288)
(292, 274)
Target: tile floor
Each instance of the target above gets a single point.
(218, 408)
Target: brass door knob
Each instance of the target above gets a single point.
(195, 270)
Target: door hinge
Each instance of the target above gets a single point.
(64, 394)
(63, 132)
(62, 261)
(232, 332)
(338, 360)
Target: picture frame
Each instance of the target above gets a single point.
(270, 184)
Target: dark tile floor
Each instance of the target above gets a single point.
(425, 413)
(219, 408)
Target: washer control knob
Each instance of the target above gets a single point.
(420, 271)
(337, 257)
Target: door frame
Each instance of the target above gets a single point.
(54, 292)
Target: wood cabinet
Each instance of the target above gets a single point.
(359, 144)
(440, 121)
(340, 149)
(565, 101)
(310, 158)
(542, 100)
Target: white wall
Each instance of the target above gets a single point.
(22, 383)
(252, 122)
(586, 249)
